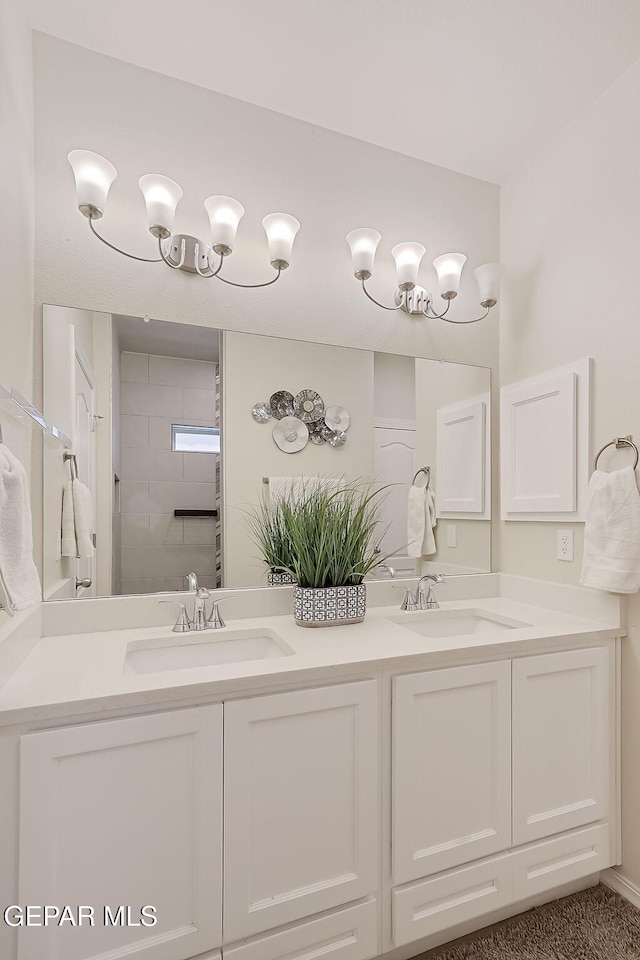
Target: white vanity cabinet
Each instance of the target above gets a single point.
(302, 822)
(502, 777)
(451, 767)
(124, 812)
(497, 783)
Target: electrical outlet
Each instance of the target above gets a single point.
(452, 539)
(564, 549)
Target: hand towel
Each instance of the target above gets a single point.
(421, 519)
(69, 544)
(18, 575)
(611, 559)
(83, 518)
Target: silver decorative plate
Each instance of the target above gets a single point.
(281, 403)
(261, 412)
(319, 432)
(308, 405)
(338, 438)
(291, 434)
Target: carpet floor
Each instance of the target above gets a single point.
(596, 924)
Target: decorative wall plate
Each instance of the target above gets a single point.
(261, 412)
(291, 434)
(281, 404)
(319, 432)
(308, 405)
(338, 438)
(337, 418)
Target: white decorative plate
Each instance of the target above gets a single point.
(291, 434)
(337, 418)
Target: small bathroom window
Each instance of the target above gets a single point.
(185, 439)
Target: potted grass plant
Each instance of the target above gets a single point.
(333, 536)
(269, 533)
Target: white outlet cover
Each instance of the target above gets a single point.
(564, 549)
(452, 539)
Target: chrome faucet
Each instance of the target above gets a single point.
(420, 601)
(192, 582)
(390, 570)
(201, 620)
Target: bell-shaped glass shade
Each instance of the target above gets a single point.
(93, 175)
(281, 229)
(449, 267)
(363, 243)
(407, 257)
(161, 196)
(225, 214)
(489, 277)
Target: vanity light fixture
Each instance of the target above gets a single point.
(410, 297)
(94, 176)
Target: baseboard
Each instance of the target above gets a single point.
(619, 883)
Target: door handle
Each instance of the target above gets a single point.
(83, 583)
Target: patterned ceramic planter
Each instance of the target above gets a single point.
(276, 579)
(329, 606)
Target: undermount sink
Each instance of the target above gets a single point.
(202, 650)
(455, 623)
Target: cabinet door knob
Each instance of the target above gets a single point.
(83, 583)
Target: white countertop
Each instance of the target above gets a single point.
(82, 673)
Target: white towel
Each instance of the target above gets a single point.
(611, 559)
(77, 520)
(18, 575)
(421, 520)
(69, 544)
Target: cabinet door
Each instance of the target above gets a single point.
(124, 813)
(301, 804)
(451, 768)
(560, 742)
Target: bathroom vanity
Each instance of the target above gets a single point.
(349, 792)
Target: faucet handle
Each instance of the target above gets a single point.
(409, 602)
(215, 621)
(182, 624)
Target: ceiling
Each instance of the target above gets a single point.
(473, 85)
(164, 339)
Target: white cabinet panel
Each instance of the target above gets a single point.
(461, 459)
(301, 804)
(544, 445)
(350, 934)
(451, 767)
(126, 812)
(425, 908)
(543, 866)
(561, 742)
(539, 444)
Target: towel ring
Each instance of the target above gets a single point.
(618, 442)
(426, 470)
(73, 463)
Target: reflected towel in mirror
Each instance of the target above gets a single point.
(18, 575)
(421, 518)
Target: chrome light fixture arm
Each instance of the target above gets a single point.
(475, 319)
(252, 286)
(377, 302)
(123, 252)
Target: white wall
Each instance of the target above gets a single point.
(143, 121)
(157, 548)
(253, 369)
(570, 240)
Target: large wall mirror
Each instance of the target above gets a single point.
(167, 433)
